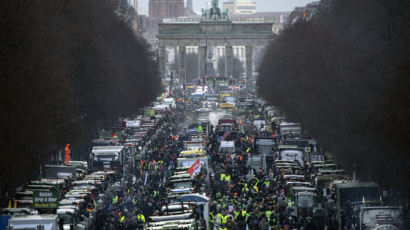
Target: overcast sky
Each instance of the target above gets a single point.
(261, 5)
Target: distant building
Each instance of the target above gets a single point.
(189, 9)
(229, 5)
(166, 8)
(189, 5)
(239, 6)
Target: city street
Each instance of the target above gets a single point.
(205, 115)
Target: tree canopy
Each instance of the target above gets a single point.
(67, 69)
(344, 75)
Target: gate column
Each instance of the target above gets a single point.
(202, 61)
(162, 55)
(228, 61)
(182, 63)
(249, 61)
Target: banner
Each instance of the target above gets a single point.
(195, 168)
(45, 199)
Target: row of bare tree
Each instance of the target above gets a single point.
(67, 67)
(345, 75)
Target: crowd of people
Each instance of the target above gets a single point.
(142, 191)
(246, 198)
(241, 197)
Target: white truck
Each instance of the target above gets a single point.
(42, 222)
(380, 217)
(292, 155)
(290, 129)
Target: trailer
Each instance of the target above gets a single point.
(45, 222)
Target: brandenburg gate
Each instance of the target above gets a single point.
(214, 29)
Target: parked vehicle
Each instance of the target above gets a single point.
(48, 222)
(381, 217)
(350, 197)
(108, 157)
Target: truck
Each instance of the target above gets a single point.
(227, 147)
(46, 222)
(59, 171)
(292, 153)
(263, 156)
(305, 201)
(350, 197)
(227, 102)
(290, 129)
(108, 157)
(380, 217)
(71, 219)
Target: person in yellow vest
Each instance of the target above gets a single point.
(211, 219)
(268, 215)
(14, 203)
(155, 193)
(115, 200)
(243, 213)
(224, 221)
(236, 213)
(219, 218)
(245, 188)
(223, 177)
(256, 187)
(267, 186)
(141, 220)
(228, 178)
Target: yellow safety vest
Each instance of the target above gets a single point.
(211, 217)
(228, 178)
(115, 200)
(155, 193)
(219, 218)
(236, 214)
(256, 187)
(223, 176)
(225, 219)
(268, 214)
(141, 218)
(243, 213)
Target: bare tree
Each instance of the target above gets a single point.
(344, 75)
(67, 69)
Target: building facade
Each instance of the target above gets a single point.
(189, 5)
(239, 6)
(166, 8)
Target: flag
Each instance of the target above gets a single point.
(195, 168)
